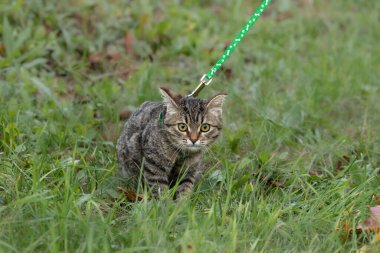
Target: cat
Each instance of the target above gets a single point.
(162, 142)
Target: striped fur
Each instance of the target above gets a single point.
(162, 154)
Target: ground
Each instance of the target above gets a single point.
(299, 159)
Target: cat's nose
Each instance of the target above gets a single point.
(193, 138)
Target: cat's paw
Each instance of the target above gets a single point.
(183, 193)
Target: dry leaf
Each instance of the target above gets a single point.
(124, 114)
(272, 182)
(345, 160)
(315, 172)
(130, 195)
(305, 3)
(228, 73)
(95, 58)
(2, 49)
(372, 223)
(128, 43)
(276, 183)
(346, 225)
(376, 198)
(284, 15)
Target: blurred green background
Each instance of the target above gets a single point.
(300, 152)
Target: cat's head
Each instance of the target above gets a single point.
(192, 123)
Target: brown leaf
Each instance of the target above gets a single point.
(124, 114)
(315, 172)
(345, 160)
(95, 58)
(2, 50)
(228, 73)
(372, 223)
(284, 15)
(128, 42)
(346, 225)
(130, 195)
(376, 198)
(272, 182)
(305, 3)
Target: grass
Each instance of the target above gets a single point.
(300, 152)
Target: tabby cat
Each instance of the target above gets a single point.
(162, 142)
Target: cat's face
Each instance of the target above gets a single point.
(192, 124)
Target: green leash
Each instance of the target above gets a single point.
(207, 78)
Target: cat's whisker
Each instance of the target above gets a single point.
(175, 153)
(209, 152)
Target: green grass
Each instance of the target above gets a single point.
(300, 147)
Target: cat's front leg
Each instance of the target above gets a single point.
(186, 184)
(155, 176)
(184, 189)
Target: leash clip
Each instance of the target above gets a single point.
(203, 82)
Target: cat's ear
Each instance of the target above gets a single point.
(215, 104)
(170, 101)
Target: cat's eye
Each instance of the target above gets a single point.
(182, 127)
(205, 127)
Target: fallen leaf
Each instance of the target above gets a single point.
(130, 195)
(277, 183)
(345, 160)
(315, 172)
(284, 15)
(2, 50)
(376, 198)
(228, 73)
(124, 114)
(305, 3)
(346, 225)
(128, 42)
(95, 58)
(272, 182)
(372, 223)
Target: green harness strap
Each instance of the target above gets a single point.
(161, 119)
(207, 78)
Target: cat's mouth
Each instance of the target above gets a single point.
(193, 147)
(190, 146)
